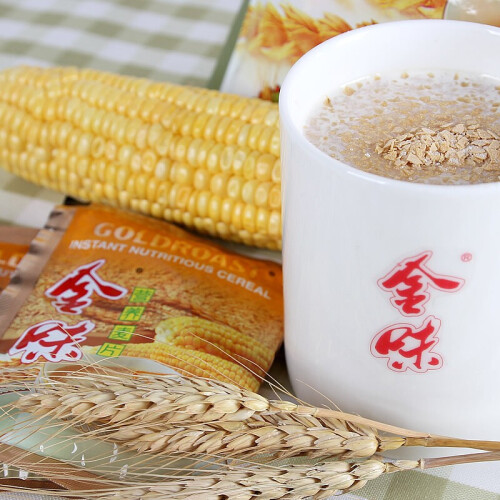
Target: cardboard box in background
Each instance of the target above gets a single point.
(275, 34)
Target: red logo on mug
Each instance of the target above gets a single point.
(406, 346)
(409, 282)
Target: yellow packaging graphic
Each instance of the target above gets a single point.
(14, 243)
(117, 284)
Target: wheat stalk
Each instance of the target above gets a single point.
(206, 423)
(242, 481)
(187, 415)
(267, 482)
(318, 481)
(236, 481)
(99, 394)
(282, 435)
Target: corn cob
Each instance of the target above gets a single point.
(197, 157)
(189, 362)
(213, 338)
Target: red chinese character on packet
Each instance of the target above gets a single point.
(72, 293)
(409, 281)
(51, 340)
(408, 347)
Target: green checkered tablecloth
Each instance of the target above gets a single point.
(184, 41)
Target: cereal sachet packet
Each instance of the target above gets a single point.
(107, 283)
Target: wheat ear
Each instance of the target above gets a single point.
(267, 482)
(174, 414)
(242, 481)
(239, 481)
(107, 401)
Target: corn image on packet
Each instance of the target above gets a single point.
(101, 282)
(14, 244)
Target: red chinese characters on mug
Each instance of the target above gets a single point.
(407, 346)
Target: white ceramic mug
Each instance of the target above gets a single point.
(392, 289)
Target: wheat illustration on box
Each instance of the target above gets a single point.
(286, 32)
(274, 35)
(102, 431)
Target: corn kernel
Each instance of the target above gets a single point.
(248, 191)
(232, 131)
(110, 192)
(151, 189)
(136, 162)
(243, 135)
(274, 143)
(226, 158)
(163, 192)
(132, 129)
(141, 136)
(203, 152)
(182, 198)
(214, 157)
(276, 172)
(199, 124)
(162, 169)
(97, 147)
(274, 227)
(154, 133)
(149, 161)
(184, 174)
(202, 203)
(210, 127)
(236, 217)
(221, 129)
(262, 220)
(110, 174)
(214, 208)
(193, 152)
(140, 184)
(201, 179)
(110, 150)
(259, 114)
(264, 167)
(124, 199)
(250, 165)
(122, 176)
(263, 143)
(253, 136)
(234, 187)
(275, 197)
(262, 194)
(247, 111)
(218, 184)
(226, 210)
(182, 147)
(162, 145)
(187, 125)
